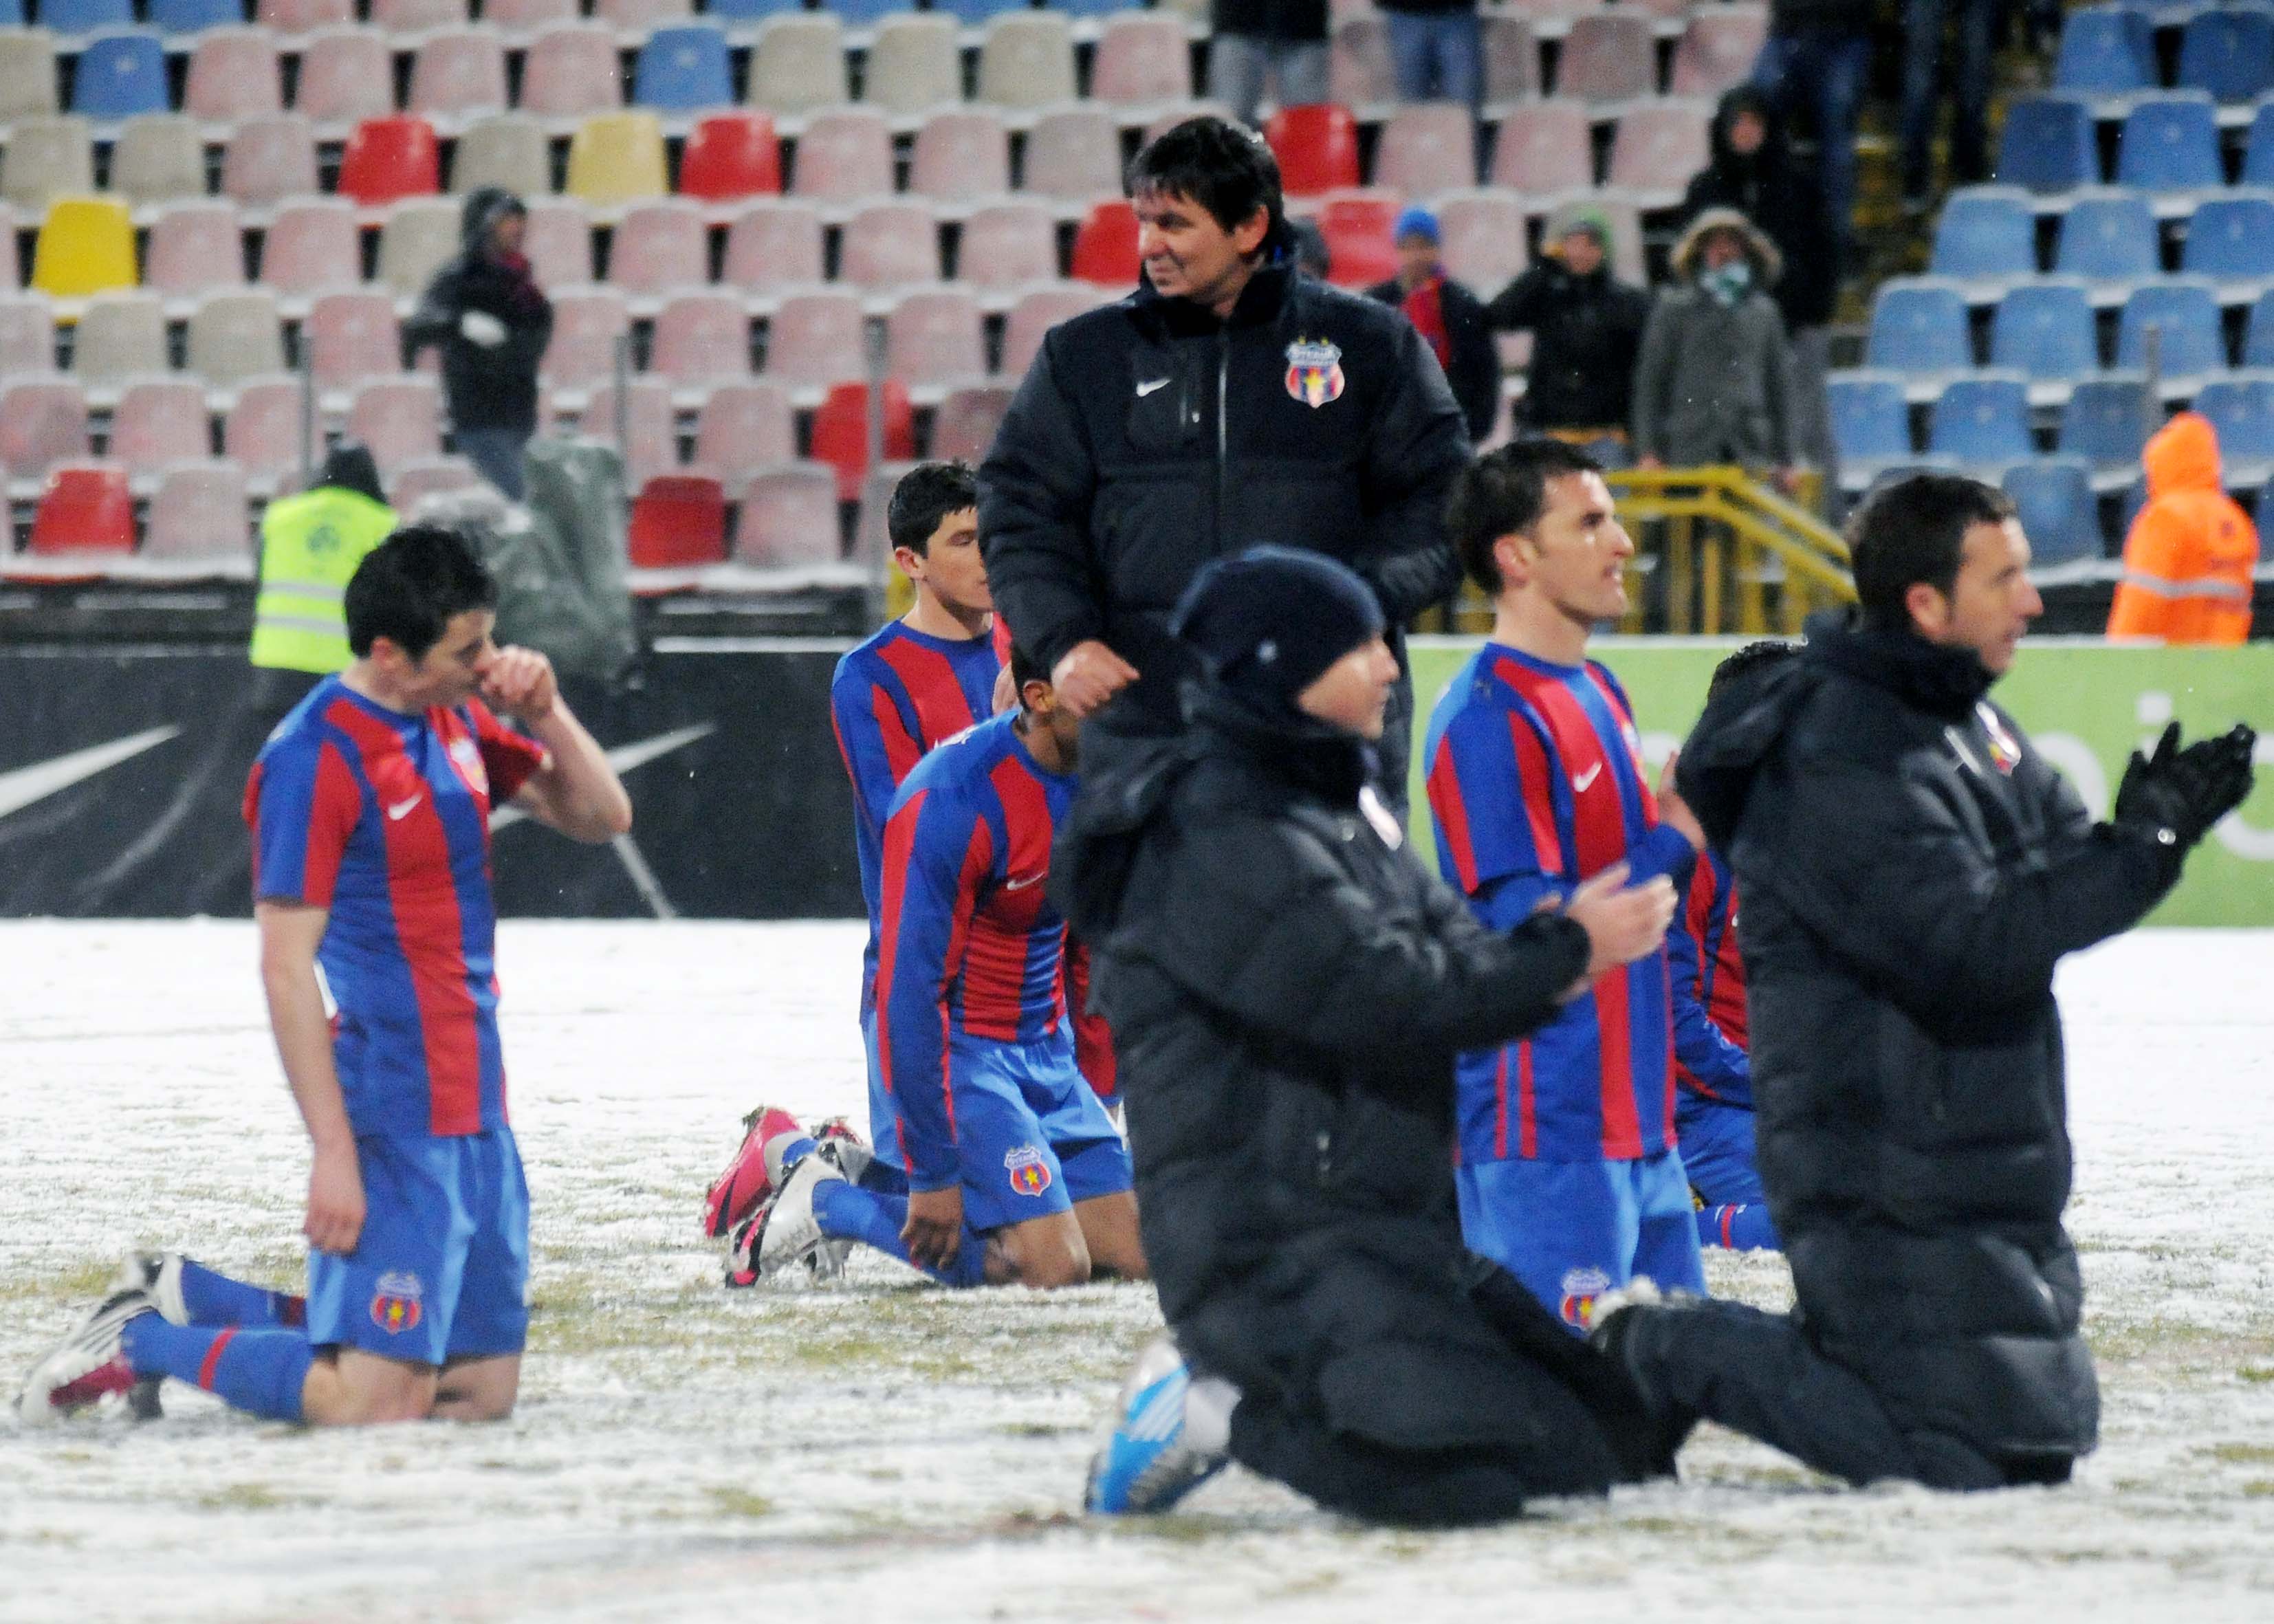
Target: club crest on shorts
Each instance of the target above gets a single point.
(394, 1305)
(1030, 1173)
(1314, 372)
(2004, 749)
(1581, 1288)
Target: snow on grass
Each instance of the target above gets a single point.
(884, 1447)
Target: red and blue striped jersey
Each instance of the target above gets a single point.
(1536, 783)
(891, 700)
(1708, 986)
(383, 819)
(971, 948)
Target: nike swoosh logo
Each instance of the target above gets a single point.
(1587, 778)
(23, 786)
(396, 813)
(623, 758)
(1144, 389)
(1032, 879)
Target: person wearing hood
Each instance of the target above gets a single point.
(1587, 329)
(492, 322)
(1288, 986)
(1913, 871)
(1447, 314)
(2192, 553)
(309, 545)
(1188, 422)
(1714, 380)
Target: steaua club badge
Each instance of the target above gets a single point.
(1314, 372)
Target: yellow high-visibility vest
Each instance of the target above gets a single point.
(309, 545)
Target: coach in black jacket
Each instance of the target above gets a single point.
(1226, 403)
(1913, 871)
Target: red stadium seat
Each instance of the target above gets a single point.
(840, 433)
(679, 521)
(731, 155)
(87, 508)
(1317, 148)
(1359, 247)
(1106, 247)
(391, 158)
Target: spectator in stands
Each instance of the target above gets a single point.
(492, 323)
(1587, 329)
(2191, 554)
(1446, 314)
(1714, 383)
(1282, 41)
(1437, 50)
(1313, 257)
(1976, 22)
(1819, 52)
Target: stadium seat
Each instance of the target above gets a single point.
(120, 75)
(587, 323)
(1658, 147)
(235, 337)
(571, 72)
(1983, 420)
(2185, 315)
(650, 447)
(1105, 245)
(28, 334)
(351, 337)
(121, 335)
(398, 420)
(649, 17)
(798, 65)
(529, 16)
(730, 156)
(420, 478)
(1512, 56)
(261, 432)
(505, 149)
(2230, 239)
(194, 16)
(1027, 61)
(2045, 331)
(85, 245)
(872, 539)
(234, 73)
(2109, 239)
(683, 70)
(845, 156)
(2228, 51)
(304, 16)
(1717, 49)
(865, 13)
(747, 10)
(2106, 422)
(1037, 312)
(1008, 245)
(47, 157)
(701, 338)
(2169, 142)
(2106, 50)
(1545, 151)
(87, 16)
(1073, 154)
(914, 64)
(961, 155)
(840, 433)
(312, 246)
(1143, 60)
(2052, 497)
(977, 13)
(2048, 145)
(1484, 239)
(159, 158)
(789, 518)
(1986, 234)
(417, 15)
(743, 427)
(773, 243)
(934, 338)
(2258, 148)
(198, 514)
(391, 158)
(27, 74)
(1425, 148)
(1359, 72)
(458, 72)
(1608, 57)
(85, 509)
(42, 420)
(889, 245)
(557, 243)
(660, 247)
(963, 426)
(419, 235)
(158, 421)
(678, 521)
(617, 158)
(1358, 232)
(1919, 325)
(815, 339)
(269, 159)
(1316, 147)
(2258, 333)
(2242, 411)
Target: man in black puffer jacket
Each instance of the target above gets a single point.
(1227, 402)
(1913, 872)
(1287, 987)
(487, 314)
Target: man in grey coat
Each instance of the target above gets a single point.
(1714, 380)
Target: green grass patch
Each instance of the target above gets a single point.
(243, 1497)
(2244, 1455)
(732, 1502)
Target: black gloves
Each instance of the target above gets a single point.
(2173, 796)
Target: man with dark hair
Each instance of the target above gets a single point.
(1914, 872)
(1289, 986)
(1015, 1174)
(370, 810)
(1447, 315)
(492, 322)
(1193, 419)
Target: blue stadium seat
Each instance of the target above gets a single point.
(1919, 325)
(2258, 153)
(868, 13)
(2110, 238)
(2186, 315)
(2048, 145)
(2229, 51)
(1089, 8)
(2045, 331)
(2106, 50)
(682, 70)
(2053, 499)
(2106, 422)
(1986, 234)
(85, 16)
(2258, 337)
(976, 12)
(747, 10)
(2230, 238)
(2170, 143)
(1984, 419)
(194, 16)
(119, 76)
(11, 13)
(2241, 409)
(1871, 424)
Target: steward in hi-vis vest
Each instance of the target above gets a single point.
(309, 545)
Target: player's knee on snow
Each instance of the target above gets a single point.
(1046, 1253)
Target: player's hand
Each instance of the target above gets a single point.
(1087, 675)
(520, 681)
(934, 1231)
(335, 1206)
(1624, 923)
(1673, 810)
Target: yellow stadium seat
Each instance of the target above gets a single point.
(616, 158)
(86, 245)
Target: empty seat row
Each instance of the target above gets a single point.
(2168, 141)
(2048, 332)
(2110, 51)
(1990, 235)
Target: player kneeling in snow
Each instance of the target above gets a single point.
(1287, 989)
(1015, 1172)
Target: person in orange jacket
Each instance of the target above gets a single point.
(2189, 559)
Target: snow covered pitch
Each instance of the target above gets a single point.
(886, 1450)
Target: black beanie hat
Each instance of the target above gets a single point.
(1268, 623)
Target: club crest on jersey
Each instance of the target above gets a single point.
(468, 755)
(2004, 749)
(1314, 372)
(1581, 1288)
(394, 1307)
(1030, 1173)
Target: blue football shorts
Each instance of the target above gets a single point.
(1572, 1230)
(1031, 1135)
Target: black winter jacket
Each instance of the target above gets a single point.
(1586, 334)
(1913, 871)
(488, 386)
(1290, 20)
(1148, 437)
(1474, 370)
(1781, 195)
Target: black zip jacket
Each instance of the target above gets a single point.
(1293, 21)
(1474, 371)
(491, 387)
(1781, 194)
(1586, 337)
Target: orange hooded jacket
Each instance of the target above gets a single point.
(2189, 559)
